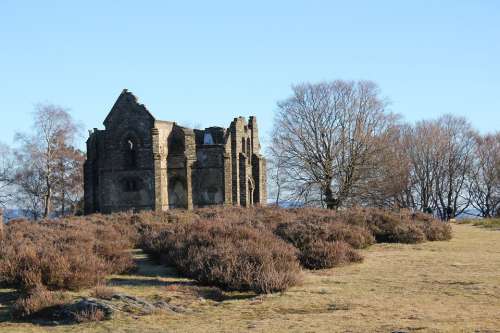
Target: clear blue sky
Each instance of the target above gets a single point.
(203, 63)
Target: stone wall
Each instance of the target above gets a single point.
(139, 163)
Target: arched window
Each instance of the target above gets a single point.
(176, 142)
(130, 153)
(243, 145)
(177, 193)
(249, 149)
(208, 139)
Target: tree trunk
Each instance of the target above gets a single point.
(63, 199)
(330, 201)
(48, 195)
(48, 199)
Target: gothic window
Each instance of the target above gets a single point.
(176, 143)
(177, 193)
(130, 151)
(243, 145)
(208, 139)
(249, 151)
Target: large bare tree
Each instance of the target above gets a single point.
(41, 153)
(484, 186)
(68, 187)
(390, 187)
(456, 155)
(276, 175)
(441, 154)
(330, 138)
(30, 185)
(422, 145)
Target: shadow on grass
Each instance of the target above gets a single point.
(149, 271)
(7, 298)
(49, 316)
(147, 267)
(42, 318)
(139, 281)
(218, 295)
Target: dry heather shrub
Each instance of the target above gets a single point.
(357, 237)
(231, 256)
(44, 304)
(306, 230)
(403, 226)
(393, 228)
(232, 213)
(89, 315)
(103, 292)
(433, 229)
(397, 227)
(36, 301)
(124, 224)
(436, 230)
(133, 226)
(324, 244)
(320, 254)
(61, 254)
(270, 217)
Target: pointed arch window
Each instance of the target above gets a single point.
(130, 153)
(249, 149)
(208, 139)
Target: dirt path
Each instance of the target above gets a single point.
(432, 287)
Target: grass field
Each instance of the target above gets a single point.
(449, 286)
(485, 223)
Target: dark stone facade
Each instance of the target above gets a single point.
(140, 163)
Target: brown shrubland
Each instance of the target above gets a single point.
(324, 243)
(231, 256)
(37, 300)
(258, 249)
(63, 254)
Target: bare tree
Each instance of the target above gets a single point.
(456, 157)
(330, 137)
(484, 186)
(6, 174)
(275, 175)
(422, 144)
(30, 186)
(441, 155)
(41, 153)
(68, 187)
(390, 186)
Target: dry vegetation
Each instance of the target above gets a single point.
(257, 250)
(63, 254)
(447, 286)
(485, 223)
(231, 256)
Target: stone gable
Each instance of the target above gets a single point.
(140, 163)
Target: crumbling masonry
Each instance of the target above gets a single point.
(140, 163)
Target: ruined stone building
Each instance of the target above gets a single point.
(140, 163)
